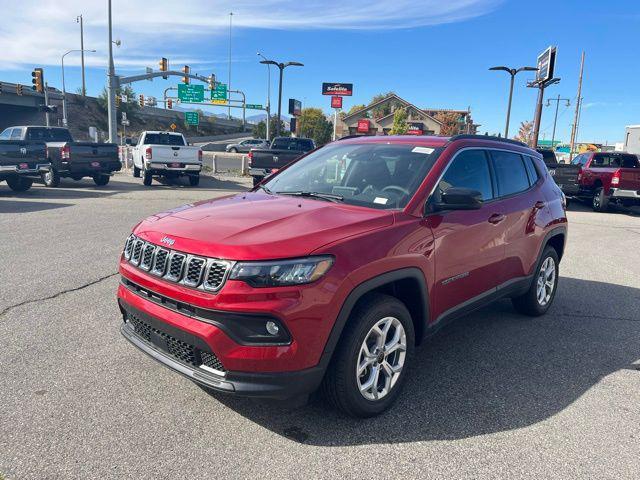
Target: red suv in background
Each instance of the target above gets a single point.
(332, 271)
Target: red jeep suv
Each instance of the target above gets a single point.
(329, 273)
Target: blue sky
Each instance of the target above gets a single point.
(432, 53)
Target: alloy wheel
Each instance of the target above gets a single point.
(546, 281)
(381, 358)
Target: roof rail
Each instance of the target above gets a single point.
(488, 137)
(346, 137)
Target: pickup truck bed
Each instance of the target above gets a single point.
(566, 177)
(22, 162)
(265, 161)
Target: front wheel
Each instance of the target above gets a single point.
(51, 178)
(136, 172)
(233, 150)
(194, 180)
(100, 179)
(600, 202)
(369, 365)
(537, 300)
(19, 184)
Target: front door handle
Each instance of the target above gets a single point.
(539, 204)
(496, 218)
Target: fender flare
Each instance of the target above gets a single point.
(360, 291)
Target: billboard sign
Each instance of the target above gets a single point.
(340, 89)
(295, 107)
(546, 65)
(415, 128)
(336, 102)
(363, 125)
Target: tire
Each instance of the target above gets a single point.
(194, 180)
(136, 172)
(101, 180)
(146, 177)
(233, 150)
(19, 184)
(600, 202)
(533, 302)
(257, 180)
(342, 386)
(77, 178)
(51, 178)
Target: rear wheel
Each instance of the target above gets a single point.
(51, 178)
(194, 180)
(146, 176)
(600, 202)
(77, 178)
(369, 365)
(537, 300)
(136, 172)
(19, 184)
(233, 150)
(100, 179)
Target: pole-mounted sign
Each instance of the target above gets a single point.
(336, 102)
(546, 65)
(341, 89)
(192, 118)
(189, 93)
(219, 94)
(295, 107)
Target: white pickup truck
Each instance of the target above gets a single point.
(166, 154)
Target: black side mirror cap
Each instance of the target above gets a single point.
(458, 198)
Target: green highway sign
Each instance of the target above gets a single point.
(254, 106)
(188, 93)
(219, 92)
(192, 118)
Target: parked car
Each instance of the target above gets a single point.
(333, 270)
(265, 161)
(21, 162)
(166, 154)
(69, 158)
(607, 178)
(246, 145)
(565, 175)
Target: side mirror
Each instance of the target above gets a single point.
(457, 198)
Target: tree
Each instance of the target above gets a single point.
(525, 132)
(400, 126)
(450, 123)
(354, 109)
(260, 128)
(130, 107)
(313, 123)
(382, 110)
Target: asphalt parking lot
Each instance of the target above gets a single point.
(494, 395)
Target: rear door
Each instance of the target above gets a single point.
(469, 244)
(522, 204)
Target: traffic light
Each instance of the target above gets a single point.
(118, 101)
(212, 81)
(164, 66)
(169, 104)
(37, 80)
(186, 71)
(141, 100)
(18, 89)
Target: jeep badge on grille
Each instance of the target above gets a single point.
(168, 241)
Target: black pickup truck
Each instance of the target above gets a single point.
(68, 158)
(564, 174)
(283, 150)
(21, 162)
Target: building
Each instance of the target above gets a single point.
(377, 119)
(632, 139)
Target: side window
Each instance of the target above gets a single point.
(469, 169)
(600, 161)
(511, 175)
(531, 170)
(16, 134)
(576, 160)
(6, 133)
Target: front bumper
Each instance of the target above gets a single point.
(267, 385)
(627, 194)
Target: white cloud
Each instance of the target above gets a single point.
(40, 31)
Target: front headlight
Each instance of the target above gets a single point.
(280, 273)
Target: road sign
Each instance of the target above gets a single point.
(219, 93)
(189, 93)
(295, 107)
(125, 123)
(219, 102)
(192, 118)
(336, 102)
(341, 89)
(546, 65)
(123, 98)
(254, 106)
(173, 126)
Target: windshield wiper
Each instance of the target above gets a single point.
(324, 196)
(265, 189)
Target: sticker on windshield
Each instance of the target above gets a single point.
(425, 150)
(380, 200)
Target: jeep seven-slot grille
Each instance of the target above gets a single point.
(181, 351)
(189, 270)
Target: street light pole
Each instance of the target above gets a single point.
(84, 85)
(281, 67)
(229, 79)
(111, 88)
(555, 119)
(512, 72)
(268, 97)
(64, 90)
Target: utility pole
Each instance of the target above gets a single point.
(111, 88)
(229, 79)
(538, 115)
(84, 85)
(574, 128)
(555, 120)
(46, 105)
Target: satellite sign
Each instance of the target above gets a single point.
(546, 65)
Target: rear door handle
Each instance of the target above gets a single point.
(496, 218)
(538, 205)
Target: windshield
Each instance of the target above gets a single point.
(163, 139)
(377, 175)
(49, 134)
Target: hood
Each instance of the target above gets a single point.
(259, 226)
